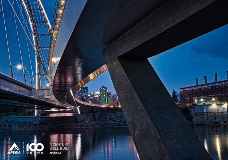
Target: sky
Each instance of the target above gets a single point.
(179, 66)
(19, 49)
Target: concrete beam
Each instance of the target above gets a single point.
(159, 130)
(173, 23)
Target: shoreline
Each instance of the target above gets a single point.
(107, 120)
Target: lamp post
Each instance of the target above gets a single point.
(21, 67)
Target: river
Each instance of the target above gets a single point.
(94, 144)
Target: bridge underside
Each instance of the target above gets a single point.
(17, 94)
(83, 54)
(128, 35)
(11, 99)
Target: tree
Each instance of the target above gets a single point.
(175, 96)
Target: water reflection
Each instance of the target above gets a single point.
(88, 144)
(78, 147)
(92, 144)
(218, 147)
(215, 140)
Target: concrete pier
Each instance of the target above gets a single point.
(158, 128)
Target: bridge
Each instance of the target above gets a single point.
(88, 37)
(14, 93)
(24, 55)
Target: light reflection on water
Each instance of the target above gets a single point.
(88, 144)
(215, 140)
(108, 144)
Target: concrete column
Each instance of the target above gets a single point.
(37, 116)
(159, 130)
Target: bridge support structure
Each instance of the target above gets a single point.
(158, 128)
(37, 115)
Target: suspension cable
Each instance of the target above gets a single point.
(20, 22)
(7, 41)
(19, 46)
(30, 60)
(14, 46)
(21, 13)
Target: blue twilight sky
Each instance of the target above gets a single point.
(19, 49)
(179, 66)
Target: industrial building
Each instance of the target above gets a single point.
(217, 89)
(207, 102)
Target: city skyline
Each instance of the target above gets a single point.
(103, 97)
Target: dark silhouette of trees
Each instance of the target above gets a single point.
(175, 96)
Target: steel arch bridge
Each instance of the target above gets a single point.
(26, 39)
(28, 30)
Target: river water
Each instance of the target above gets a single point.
(215, 140)
(93, 144)
(88, 144)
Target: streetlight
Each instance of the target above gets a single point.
(21, 67)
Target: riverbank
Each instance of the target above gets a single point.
(105, 120)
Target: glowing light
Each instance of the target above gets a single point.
(78, 110)
(78, 147)
(19, 66)
(205, 144)
(71, 93)
(35, 141)
(36, 112)
(213, 99)
(201, 99)
(58, 18)
(55, 59)
(218, 147)
(195, 100)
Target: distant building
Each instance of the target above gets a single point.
(96, 98)
(110, 102)
(82, 94)
(208, 110)
(208, 105)
(218, 89)
(115, 100)
(103, 95)
(104, 98)
(90, 97)
(109, 93)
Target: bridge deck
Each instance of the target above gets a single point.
(17, 100)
